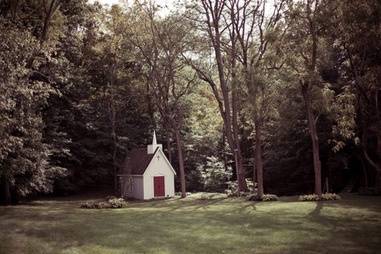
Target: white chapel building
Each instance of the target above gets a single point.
(147, 174)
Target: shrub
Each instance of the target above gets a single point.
(102, 205)
(214, 175)
(88, 205)
(117, 203)
(330, 196)
(230, 193)
(323, 197)
(111, 202)
(232, 190)
(205, 197)
(179, 193)
(265, 197)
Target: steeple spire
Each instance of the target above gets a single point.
(152, 148)
(154, 142)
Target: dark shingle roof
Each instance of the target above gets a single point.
(137, 161)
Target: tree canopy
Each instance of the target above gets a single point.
(282, 93)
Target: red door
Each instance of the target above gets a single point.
(158, 186)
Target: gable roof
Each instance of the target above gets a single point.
(138, 161)
(165, 159)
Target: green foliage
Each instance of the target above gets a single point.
(214, 175)
(232, 190)
(344, 111)
(73, 101)
(203, 136)
(205, 197)
(117, 203)
(265, 197)
(323, 197)
(360, 71)
(24, 156)
(111, 202)
(204, 122)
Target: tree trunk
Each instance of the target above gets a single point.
(115, 168)
(226, 112)
(181, 163)
(112, 112)
(378, 168)
(314, 138)
(48, 15)
(169, 148)
(235, 108)
(150, 107)
(376, 165)
(241, 172)
(11, 7)
(326, 185)
(6, 190)
(237, 151)
(258, 157)
(365, 173)
(45, 29)
(114, 152)
(254, 171)
(49, 11)
(224, 151)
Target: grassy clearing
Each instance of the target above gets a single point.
(194, 225)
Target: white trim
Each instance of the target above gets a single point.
(165, 157)
(166, 160)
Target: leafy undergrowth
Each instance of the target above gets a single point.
(195, 224)
(109, 202)
(250, 196)
(206, 196)
(265, 197)
(323, 197)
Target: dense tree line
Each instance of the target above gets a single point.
(286, 93)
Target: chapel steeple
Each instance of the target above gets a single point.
(152, 148)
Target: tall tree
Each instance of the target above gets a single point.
(355, 31)
(214, 24)
(24, 157)
(256, 33)
(305, 37)
(162, 46)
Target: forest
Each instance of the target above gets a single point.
(280, 96)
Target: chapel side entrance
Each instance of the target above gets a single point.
(158, 186)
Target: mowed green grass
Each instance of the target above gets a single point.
(193, 225)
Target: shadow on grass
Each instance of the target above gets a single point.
(193, 226)
(316, 212)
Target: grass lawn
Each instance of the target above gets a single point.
(193, 225)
